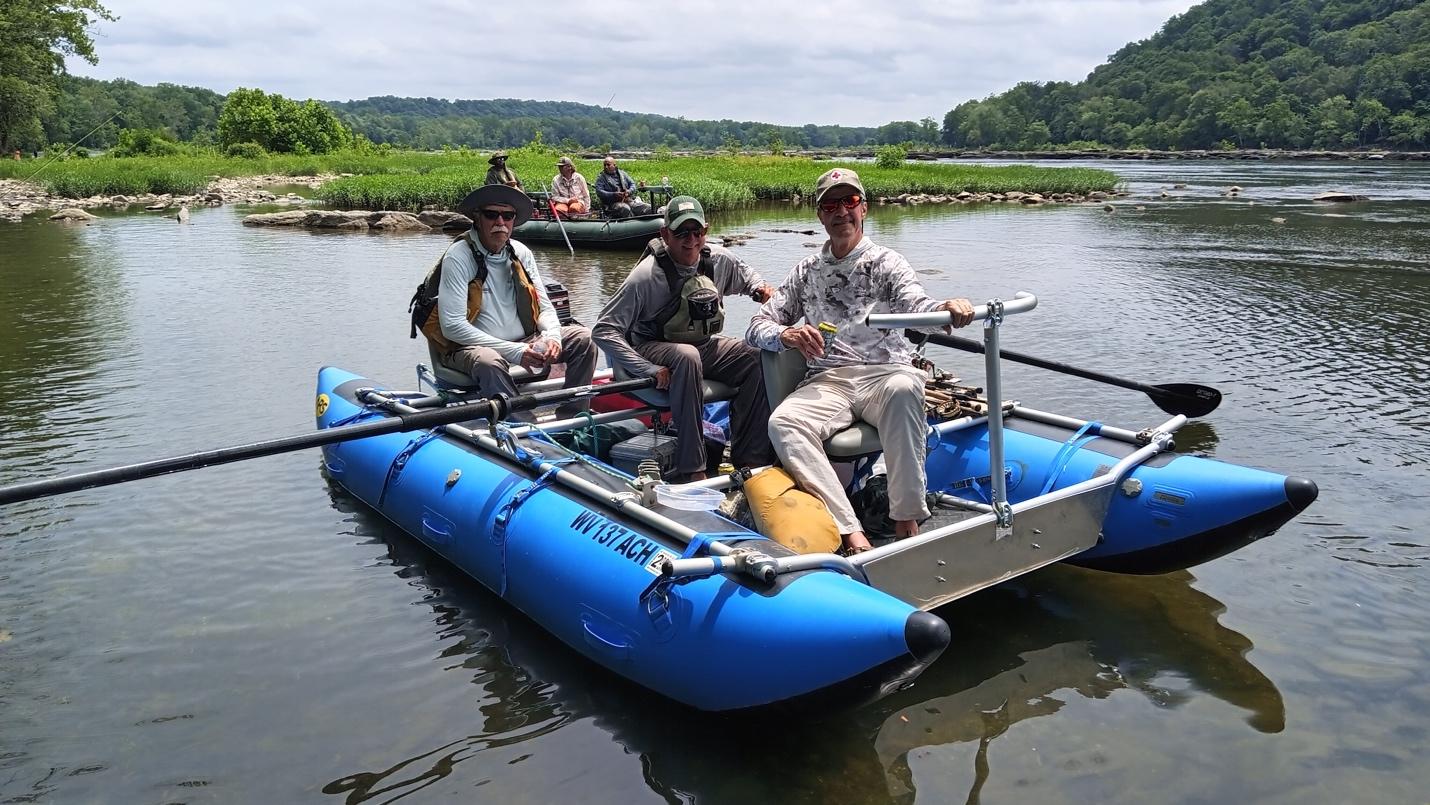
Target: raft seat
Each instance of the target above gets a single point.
(449, 379)
(713, 390)
(783, 372)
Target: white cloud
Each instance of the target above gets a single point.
(808, 61)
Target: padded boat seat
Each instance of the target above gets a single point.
(714, 390)
(450, 378)
(783, 372)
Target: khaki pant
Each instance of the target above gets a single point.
(492, 372)
(891, 398)
(732, 362)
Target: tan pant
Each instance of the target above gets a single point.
(891, 398)
(492, 372)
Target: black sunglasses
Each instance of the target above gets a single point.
(687, 234)
(505, 215)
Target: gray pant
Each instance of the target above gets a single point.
(492, 372)
(732, 362)
(625, 209)
(891, 398)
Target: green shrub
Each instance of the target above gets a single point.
(248, 150)
(890, 156)
(145, 143)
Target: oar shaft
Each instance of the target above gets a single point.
(395, 423)
(973, 346)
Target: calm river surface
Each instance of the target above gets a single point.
(249, 633)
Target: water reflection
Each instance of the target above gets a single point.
(1028, 646)
(1020, 651)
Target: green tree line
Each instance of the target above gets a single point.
(1234, 73)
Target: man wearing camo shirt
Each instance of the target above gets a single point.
(866, 374)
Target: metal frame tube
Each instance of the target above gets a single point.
(1022, 303)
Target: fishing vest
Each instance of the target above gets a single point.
(423, 305)
(696, 309)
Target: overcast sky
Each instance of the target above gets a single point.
(777, 61)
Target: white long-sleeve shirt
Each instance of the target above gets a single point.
(497, 326)
(843, 292)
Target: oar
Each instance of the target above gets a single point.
(496, 407)
(557, 216)
(1174, 398)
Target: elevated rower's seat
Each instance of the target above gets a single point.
(713, 390)
(449, 379)
(783, 372)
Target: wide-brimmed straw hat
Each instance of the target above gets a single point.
(486, 195)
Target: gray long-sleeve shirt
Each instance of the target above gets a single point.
(870, 279)
(497, 326)
(628, 319)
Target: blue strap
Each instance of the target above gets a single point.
(700, 543)
(504, 515)
(400, 462)
(1082, 436)
(348, 420)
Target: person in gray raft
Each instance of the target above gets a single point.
(491, 309)
(866, 373)
(665, 322)
(619, 193)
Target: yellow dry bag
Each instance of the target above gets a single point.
(789, 515)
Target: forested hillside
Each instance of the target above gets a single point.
(1243, 73)
(434, 122)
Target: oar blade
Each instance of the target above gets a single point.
(1189, 399)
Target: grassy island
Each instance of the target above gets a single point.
(404, 180)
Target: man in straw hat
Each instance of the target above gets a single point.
(492, 309)
(664, 322)
(499, 173)
(865, 373)
(569, 194)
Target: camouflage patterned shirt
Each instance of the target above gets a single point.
(870, 279)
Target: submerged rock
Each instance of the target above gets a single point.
(1340, 196)
(73, 214)
(342, 220)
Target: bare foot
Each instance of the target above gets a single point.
(856, 542)
(905, 528)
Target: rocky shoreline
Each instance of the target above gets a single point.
(19, 198)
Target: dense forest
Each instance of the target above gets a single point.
(191, 114)
(1234, 73)
(434, 122)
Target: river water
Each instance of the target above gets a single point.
(249, 633)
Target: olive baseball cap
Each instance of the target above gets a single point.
(565, 162)
(835, 178)
(681, 209)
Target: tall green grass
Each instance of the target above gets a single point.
(410, 180)
(720, 182)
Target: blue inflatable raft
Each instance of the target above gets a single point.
(711, 614)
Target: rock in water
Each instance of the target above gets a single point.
(183, 216)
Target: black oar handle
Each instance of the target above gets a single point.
(497, 406)
(969, 345)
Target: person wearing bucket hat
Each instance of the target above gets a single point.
(492, 311)
(665, 322)
(569, 194)
(618, 191)
(863, 373)
(499, 173)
